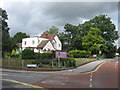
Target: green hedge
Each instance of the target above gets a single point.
(28, 54)
(43, 55)
(70, 62)
(79, 54)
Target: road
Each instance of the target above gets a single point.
(105, 77)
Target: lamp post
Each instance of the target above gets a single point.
(100, 52)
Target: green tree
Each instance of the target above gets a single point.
(71, 38)
(53, 30)
(118, 50)
(18, 38)
(6, 41)
(91, 42)
(106, 26)
(111, 50)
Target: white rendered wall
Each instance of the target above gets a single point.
(57, 43)
(29, 42)
(48, 46)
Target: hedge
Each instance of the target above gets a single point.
(28, 54)
(43, 55)
(79, 54)
(69, 61)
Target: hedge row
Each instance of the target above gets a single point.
(79, 54)
(29, 54)
(70, 62)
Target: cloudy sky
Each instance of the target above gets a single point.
(36, 17)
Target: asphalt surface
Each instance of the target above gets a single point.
(58, 79)
(105, 77)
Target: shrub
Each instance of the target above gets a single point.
(79, 54)
(43, 55)
(70, 62)
(7, 54)
(28, 54)
(41, 61)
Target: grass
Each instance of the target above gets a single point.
(80, 61)
(16, 62)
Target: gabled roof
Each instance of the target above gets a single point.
(48, 36)
(43, 43)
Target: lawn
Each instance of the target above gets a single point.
(80, 61)
(16, 62)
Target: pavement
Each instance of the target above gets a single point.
(74, 78)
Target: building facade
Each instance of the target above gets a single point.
(44, 43)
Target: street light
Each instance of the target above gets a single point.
(100, 52)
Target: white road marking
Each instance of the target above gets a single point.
(90, 85)
(3, 74)
(91, 75)
(16, 75)
(90, 79)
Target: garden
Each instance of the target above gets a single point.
(45, 60)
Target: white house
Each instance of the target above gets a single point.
(43, 43)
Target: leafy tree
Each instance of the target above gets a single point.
(106, 26)
(91, 42)
(111, 50)
(71, 38)
(53, 30)
(118, 50)
(6, 41)
(18, 38)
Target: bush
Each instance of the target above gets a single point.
(79, 54)
(28, 54)
(43, 55)
(7, 54)
(41, 61)
(70, 62)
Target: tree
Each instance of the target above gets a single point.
(18, 38)
(111, 50)
(118, 50)
(106, 26)
(71, 37)
(53, 30)
(6, 41)
(91, 42)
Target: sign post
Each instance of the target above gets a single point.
(58, 60)
(60, 54)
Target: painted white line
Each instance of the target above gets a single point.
(90, 85)
(90, 79)
(3, 74)
(16, 75)
(91, 76)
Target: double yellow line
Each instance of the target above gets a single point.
(34, 86)
(95, 68)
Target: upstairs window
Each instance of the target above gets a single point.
(33, 42)
(25, 43)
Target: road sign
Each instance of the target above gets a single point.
(31, 65)
(61, 54)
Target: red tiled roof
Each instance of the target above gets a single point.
(48, 36)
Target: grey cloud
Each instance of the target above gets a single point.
(34, 18)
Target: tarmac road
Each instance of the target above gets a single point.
(59, 79)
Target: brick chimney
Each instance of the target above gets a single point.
(28, 36)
